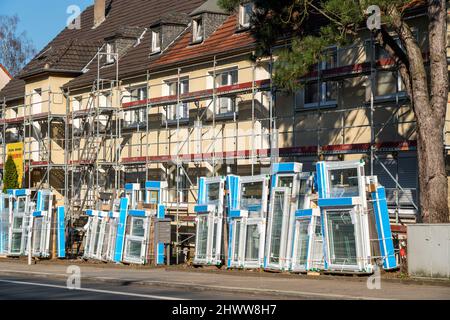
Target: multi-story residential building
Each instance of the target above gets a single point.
(168, 90)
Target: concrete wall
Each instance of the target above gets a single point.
(429, 250)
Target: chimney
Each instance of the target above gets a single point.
(99, 12)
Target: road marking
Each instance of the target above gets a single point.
(92, 290)
(214, 287)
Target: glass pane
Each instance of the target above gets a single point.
(301, 253)
(134, 249)
(342, 238)
(252, 243)
(212, 192)
(16, 242)
(153, 196)
(37, 233)
(202, 237)
(251, 196)
(137, 227)
(277, 223)
(18, 223)
(343, 183)
(214, 245)
(45, 203)
(304, 190)
(21, 204)
(237, 234)
(311, 93)
(97, 237)
(285, 182)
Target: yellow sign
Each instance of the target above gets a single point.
(15, 150)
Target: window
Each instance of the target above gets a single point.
(212, 192)
(324, 94)
(202, 237)
(36, 101)
(245, 13)
(197, 30)
(156, 41)
(251, 196)
(226, 105)
(77, 102)
(110, 51)
(180, 110)
(342, 238)
(138, 94)
(343, 183)
(105, 100)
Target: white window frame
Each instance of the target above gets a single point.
(110, 51)
(229, 103)
(179, 111)
(197, 30)
(156, 39)
(243, 14)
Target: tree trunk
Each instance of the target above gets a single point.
(432, 174)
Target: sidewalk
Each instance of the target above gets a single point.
(244, 282)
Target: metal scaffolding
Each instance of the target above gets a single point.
(182, 133)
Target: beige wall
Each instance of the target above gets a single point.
(4, 78)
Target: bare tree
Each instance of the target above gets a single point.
(16, 49)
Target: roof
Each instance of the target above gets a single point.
(137, 61)
(72, 49)
(6, 71)
(15, 89)
(210, 6)
(223, 41)
(71, 56)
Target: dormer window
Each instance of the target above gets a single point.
(197, 30)
(156, 41)
(110, 52)
(245, 13)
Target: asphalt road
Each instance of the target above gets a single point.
(37, 288)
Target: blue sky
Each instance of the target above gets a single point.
(41, 19)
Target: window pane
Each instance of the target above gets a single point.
(45, 203)
(311, 93)
(16, 242)
(343, 183)
(342, 238)
(212, 192)
(202, 236)
(237, 234)
(285, 182)
(137, 227)
(277, 223)
(134, 249)
(302, 241)
(17, 223)
(252, 243)
(251, 195)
